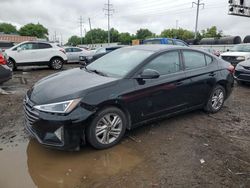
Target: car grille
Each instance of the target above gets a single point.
(231, 59)
(31, 116)
(247, 68)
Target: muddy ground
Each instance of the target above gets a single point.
(190, 150)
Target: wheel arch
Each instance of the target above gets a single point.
(117, 104)
(55, 57)
(223, 83)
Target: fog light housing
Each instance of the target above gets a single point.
(59, 133)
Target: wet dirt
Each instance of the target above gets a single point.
(189, 150)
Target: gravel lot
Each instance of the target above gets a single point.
(190, 150)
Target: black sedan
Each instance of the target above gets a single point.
(242, 72)
(122, 90)
(5, 71)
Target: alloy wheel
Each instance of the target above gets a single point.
(57, 64)
(109, 128)
(217, 99)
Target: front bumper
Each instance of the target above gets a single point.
(242, 74)
(64, 132)
(5, 73)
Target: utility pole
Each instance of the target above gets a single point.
(198, 4)
(109, 10)
(90, 28)
(177, 24)
(81, 22)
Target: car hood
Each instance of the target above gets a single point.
(67, 85)
(236, 54)
(245, 63)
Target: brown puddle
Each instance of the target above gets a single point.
(31, 165)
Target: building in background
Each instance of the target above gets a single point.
(16, 38)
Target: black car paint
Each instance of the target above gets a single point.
(141, 100)
(5, 73)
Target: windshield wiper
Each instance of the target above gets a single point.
(97, 72)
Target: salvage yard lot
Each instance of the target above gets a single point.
(190, 150)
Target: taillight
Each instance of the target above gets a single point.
(231, 69)
(2, 60)
(63, 51)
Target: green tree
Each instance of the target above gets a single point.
(74, 40)
(125, 38)
(177, 33)
(114, 35)
(98, 36)
(36, 30)
(7, 28)
(211, 32)
(144, 33)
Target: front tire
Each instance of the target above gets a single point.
(56, 63)
(11, 64)
(216, 99)
(107, 128)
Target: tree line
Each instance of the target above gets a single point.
(100, 36)
(31, 29)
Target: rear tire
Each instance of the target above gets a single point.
(216, 99)
(107, 128)
(56, 63)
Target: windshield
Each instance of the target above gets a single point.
(100, 50)
(119, 62)
(241, 48)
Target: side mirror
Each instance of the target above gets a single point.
(149, 74)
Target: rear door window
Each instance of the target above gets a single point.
(44, 46)
(194, 59)
(166, 63)
(68, 50)
(76, 50)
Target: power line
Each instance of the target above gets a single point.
(109, 12)
(198, 4)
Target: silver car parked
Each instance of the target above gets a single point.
(75, 54)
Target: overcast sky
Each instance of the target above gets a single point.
(63, 16)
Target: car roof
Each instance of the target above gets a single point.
(157, 47)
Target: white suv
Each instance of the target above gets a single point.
(237, 54)
(36, 53)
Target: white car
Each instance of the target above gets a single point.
(75, 54)
(237, 54)
(36, 53)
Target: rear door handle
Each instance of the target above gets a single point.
(212, 74)
(178, 83)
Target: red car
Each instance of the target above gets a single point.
(5, 71)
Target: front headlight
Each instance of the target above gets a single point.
(240, 58)
(60, 107)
